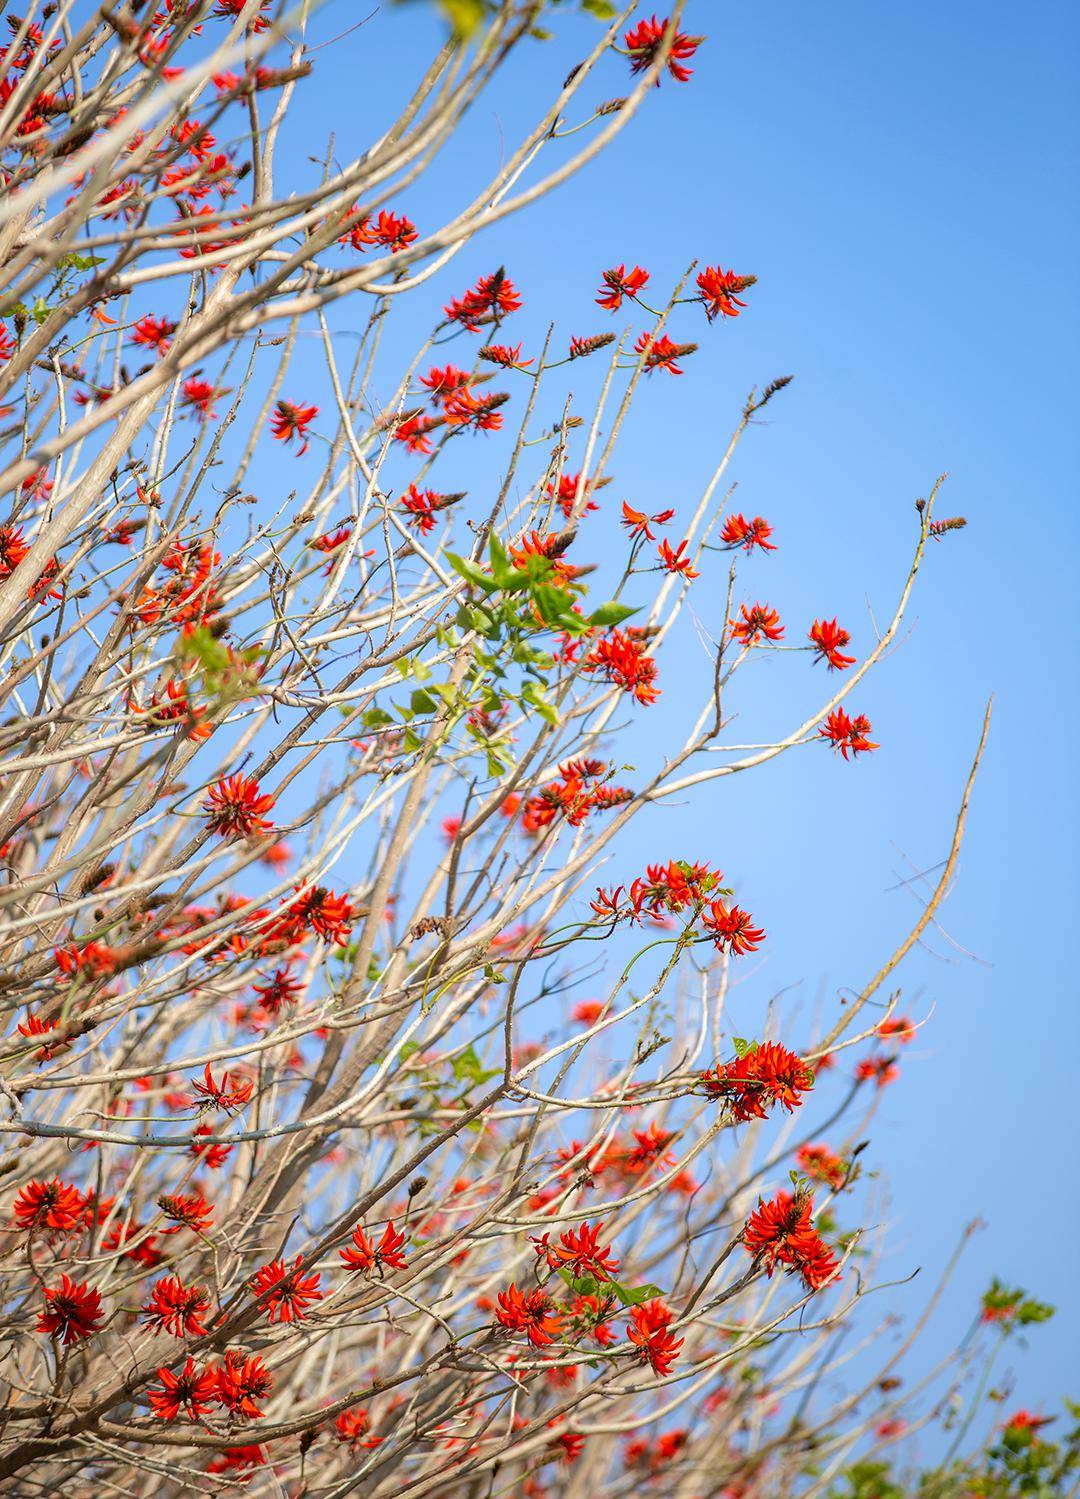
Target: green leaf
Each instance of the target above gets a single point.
(611, 614)
(422, 702)
(741, 1046)
(634, 1295)
(471, 573)
(40, 311)
(603, 10)
(468, 1067)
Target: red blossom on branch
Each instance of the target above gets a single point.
(644, 41)
(72, 1311)
(848, 735)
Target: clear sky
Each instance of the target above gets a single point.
(903, 181)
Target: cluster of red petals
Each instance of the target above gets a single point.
(565, 491)
(781, 1233)
(177, 1309)
(176, 707)
(190, 1211)
(881, 1070)
(422, 506)
(235, 808)
(662, 353)
(619, 283)
(621, 659)
(238, 1384)
(898, 1028)
(154, 333)
(229, 1094)
(289, 420)
(393, 231)
(821, 1164)
(739, 532)
(463, 409)
(492, 298)
(643, 42)
(366, 1255)
(573, 796)
(188, 597)
(55, 1205)
(199, 395)
(732, 928)
(675, 561)
(720, 291)
(672, 887)
(649, 1329)
(509, 357)
(579, 1251)
(353, 1427)
(285, 1294)
(317, 910)
(72, 1311)
(758, 622)
(828, 640)
(640, 1453)
(531, 1313)
(638, 523)
(848, 735)
(762, 1077)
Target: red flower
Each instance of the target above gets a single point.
(444, 382)
(236, 808)
(661, 353)
(899, 1027)
(221, 1095)
(237, 1459)
(282, 989)
(578, 1251)
(503, 354)
(413, 432)
(821, 1164)
(392, 230)
(242, 1382)
(828, 640)
(351, 1427)
(763, 1076)
(423, 506)
(740, 532)
(289, 421)
(675, 562)
(71, 1310)
(54, 1204)
(587, 1012)
(187, 1212)
(463, 409)
(285, 1293)
(491, 299)
(618, 283)
(33, 1025)
(623, 662)
(732, 930)
(881, 1070)
(328, 916)
(580, 348)
(154, 333)
(211, 1155)
(643, 43)
(177, 1309)
(847, 734)
(13, 549)
(192, 1392)
(1025, 1421)
(781, 1232)
(719, 291)
(230, 9)
(650, 1147)
(649, 1330)
(638, 523)
(199, 395)
(759, 620)
(531, 1313)
(366, 1255)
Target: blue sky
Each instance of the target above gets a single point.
(902, 180)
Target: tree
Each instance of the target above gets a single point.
(321, 1175)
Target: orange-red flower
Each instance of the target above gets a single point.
(848, 735)
(284, 1293)
(491, 299)
(781, 1232)
(757, 622)
(366, 1255)
(192, 1392)
(290, 420)
(242, 1383)
(72, 1311)
(643, 43)
(763, 1076)
(821, 1164)
(898, 1028)
(55, 1205)
(187, 1212)
(579, 1251)
(828, 640)
(881, 1070)
(530, 1312)
(732, 929)
(740, 532)
(154, 333)
(638, 523)
(504, 354)
(352, 1427)
(177, 1309)
(720, 291)
(619, 283)
(229, 1094)
(649, 1329)
(622, 660)
(661, 352)
(675, 562)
